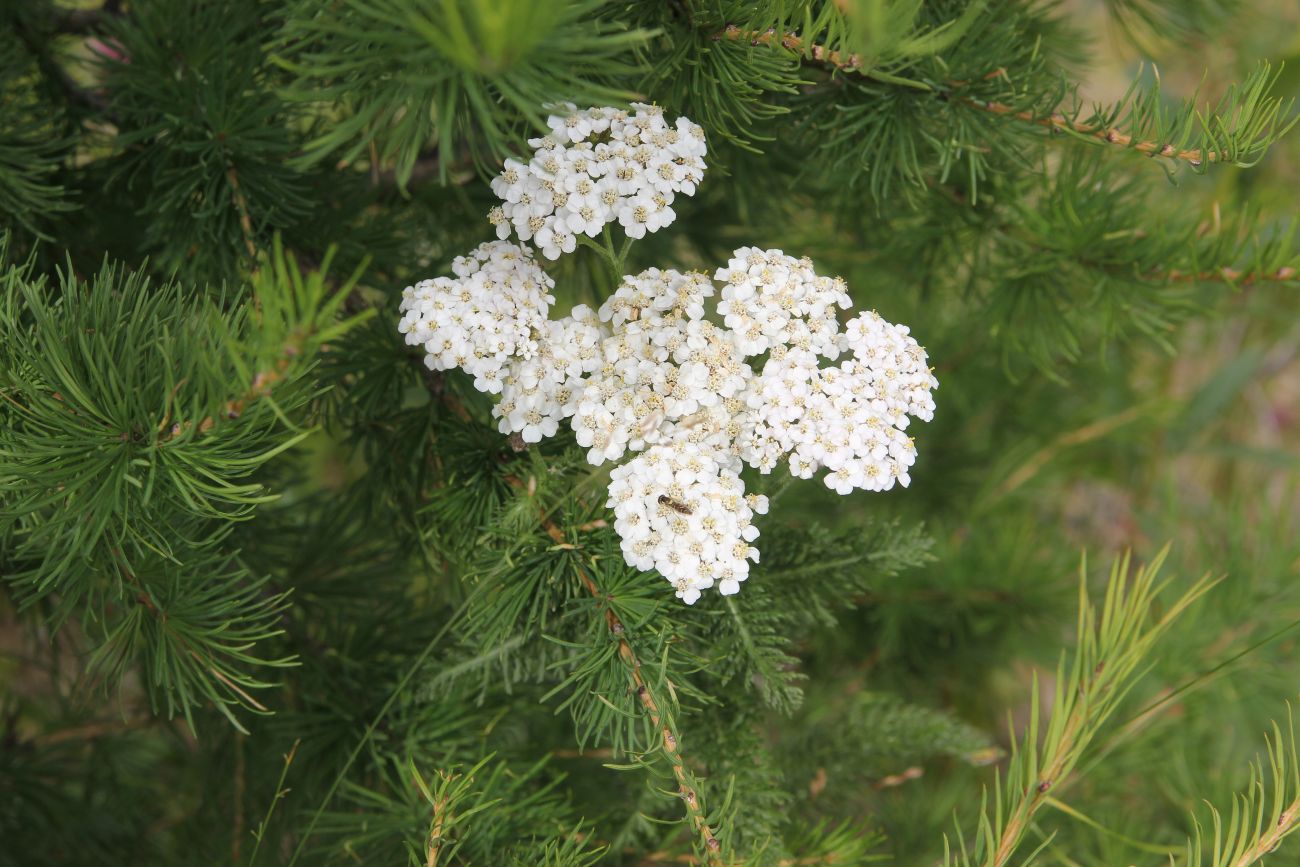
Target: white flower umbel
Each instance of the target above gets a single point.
(771, 299)
(596, 167)
(495, 309)
(683, 400)
(663, 369)
(540, 391)
(848, 419)
(681, 509)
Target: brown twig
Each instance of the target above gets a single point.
(262, 384)
(435, 833)
(241, 206)
(793, 43)
(694, 806)
(1227, 275)
(1273, 838)
(1058, 121)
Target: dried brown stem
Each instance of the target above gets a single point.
(694, 807)
(1228, 275)
(435, 833)
(241, 206)
(1271, 840)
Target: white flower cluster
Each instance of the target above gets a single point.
(666, 372)
(595, 167)
(849, 419)
(649, 374)
(493, 312)
(542, 390)
(682, 509)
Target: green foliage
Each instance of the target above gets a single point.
(202, 139)
(439, 73)
(1238, 129)
(902, 735)
(133, 419)
(33, 144)
(1264, 815)
(272, 591)
(431, 819)
(1113, 648)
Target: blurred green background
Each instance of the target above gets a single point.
(1198, 447)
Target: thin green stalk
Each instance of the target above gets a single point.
(374, 724)
(614, 259)
(280, 792)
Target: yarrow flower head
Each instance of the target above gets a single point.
(681, 509)
(598, 166)
(495, 310)
(683, 401)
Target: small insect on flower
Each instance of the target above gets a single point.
(679, 508)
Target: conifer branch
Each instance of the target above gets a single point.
(651, 705)
(309, 322)
(1272, 839)
(1113, 645)
(263, 382)
(1057, 121)
(1257, 120)
(435, 832)
(793, 43)
(1262, 816)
